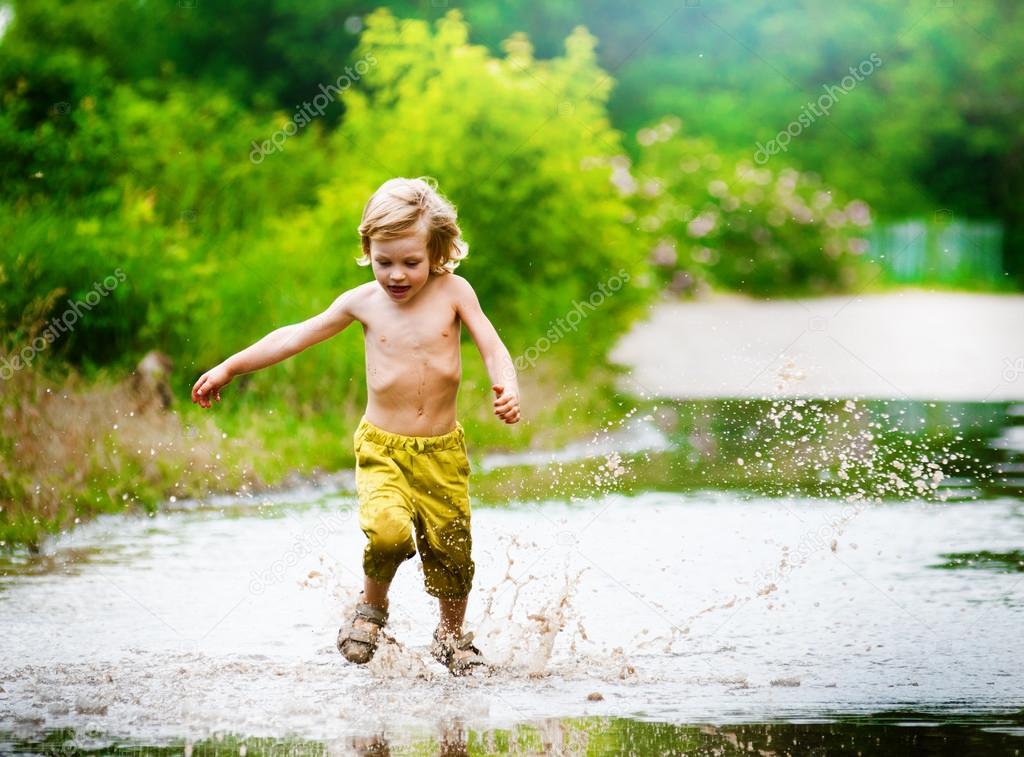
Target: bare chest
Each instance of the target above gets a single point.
(412, 335)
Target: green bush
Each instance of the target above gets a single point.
(511, 141)
(713, 219)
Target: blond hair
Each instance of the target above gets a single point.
(398, 208)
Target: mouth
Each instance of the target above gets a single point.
(399, 291)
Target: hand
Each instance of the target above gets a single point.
(506, 403)
(208, 386)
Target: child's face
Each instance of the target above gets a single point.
(401, 266)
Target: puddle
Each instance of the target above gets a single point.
(670, 601)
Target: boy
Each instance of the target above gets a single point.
(412, 467)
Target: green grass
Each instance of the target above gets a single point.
(244, 443)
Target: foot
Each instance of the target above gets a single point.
(358, 641)
(457, 653)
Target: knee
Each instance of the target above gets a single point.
(392, 538)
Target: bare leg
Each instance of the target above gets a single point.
(374, 593)
(453, 612)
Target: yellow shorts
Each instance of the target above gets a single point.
(415, 485)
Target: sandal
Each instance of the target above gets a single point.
(359, 644)
(443, 650)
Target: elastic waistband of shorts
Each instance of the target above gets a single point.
(453, 439)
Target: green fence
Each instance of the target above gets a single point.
(940, 250)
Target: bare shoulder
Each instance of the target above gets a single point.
(458, 287)
(458, 293)
(359, 301)
(364, 291)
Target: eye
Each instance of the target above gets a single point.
(383, 264)
(413, 264)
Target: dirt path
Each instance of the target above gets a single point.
(903, 345)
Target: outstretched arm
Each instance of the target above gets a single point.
(493, 351)
(276, 346)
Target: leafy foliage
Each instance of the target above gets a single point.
(725, 221)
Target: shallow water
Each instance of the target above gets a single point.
(620, 613)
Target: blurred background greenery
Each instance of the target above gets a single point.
(218, 154)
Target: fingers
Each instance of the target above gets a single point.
(508, 411)
(506, 407)
(505, 399)
(196, 387)
(510, 417)
(205, 390)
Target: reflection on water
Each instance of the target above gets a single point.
(863, 449)
(1004, 562)
(891, 733)
(777, 563)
